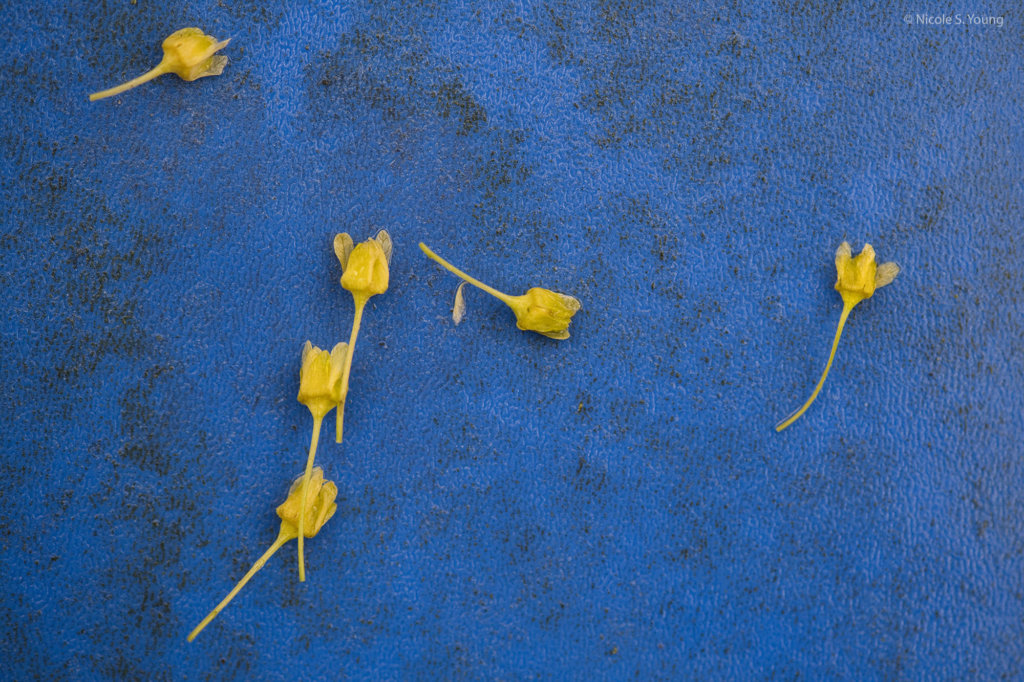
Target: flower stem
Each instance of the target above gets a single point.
(282, 538)
(317, 421)
(847, 307)
(357, 320)
(158, 70)
(505, 298)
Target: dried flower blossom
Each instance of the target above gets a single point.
(365, 272)
(857, 278)
(538, 310)
(318, 509)
(189, 53)
(319, 390)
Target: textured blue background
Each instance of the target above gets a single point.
(614, 506)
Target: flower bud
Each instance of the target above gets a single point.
(365, 266)
(320, 505)
(320, 377)
(858, 277)
(545, 312)
(189, 53)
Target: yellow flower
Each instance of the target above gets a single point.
(319, 508)
(320, 378)
(538, 310)
(319, 390)
(319, 505)
(545, 312)
(189, 53)
(857, 278)
(364, 266)
(365, 271)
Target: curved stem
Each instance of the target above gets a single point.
(317, 421)
(357, 320)
(821, 382)
(158, 70)
(505, 298)
(282, 538)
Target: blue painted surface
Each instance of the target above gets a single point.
(613, 506)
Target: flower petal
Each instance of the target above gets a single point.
(384, 239)
(843, 254)
(213, 67)
(343, 246)
(459, 307)
(307, 348)
(571, 302)
(885, 274)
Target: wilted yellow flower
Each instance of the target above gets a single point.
(545, 312)
(538, 310)
(319, 508)
(189, 53)
(319, 390)
(319, 504)
(364, 266)
(320, 378)
(365, 271)
(857, 278)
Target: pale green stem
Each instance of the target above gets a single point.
(357, 320)
(158, 70)
(317, 421)
(505, 298)
(847, 307)
(282, 538)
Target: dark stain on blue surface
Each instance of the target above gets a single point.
(151, 524)
(502, 165)
(253, 12)
(430, 106)
(553, 26)
(88, 281)
(355, 74)
(350, 87)
(91, 277)
(588, 477)
(143, 419)
(454, 100)
(932, 208)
